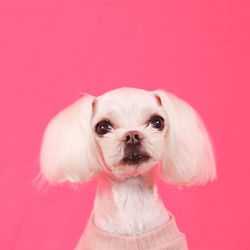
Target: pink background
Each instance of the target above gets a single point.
(51, 51)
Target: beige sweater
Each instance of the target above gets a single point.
(165, 237)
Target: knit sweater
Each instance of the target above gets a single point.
(165, 237)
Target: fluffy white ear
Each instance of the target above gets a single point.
(68, 151)
(189, 157)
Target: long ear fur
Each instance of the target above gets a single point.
(189, 157)
(68, 150)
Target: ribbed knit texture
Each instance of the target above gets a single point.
(165, 237)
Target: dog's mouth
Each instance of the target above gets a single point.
(135, 158)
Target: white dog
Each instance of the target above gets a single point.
(121, 136)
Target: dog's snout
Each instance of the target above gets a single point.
(132, 137)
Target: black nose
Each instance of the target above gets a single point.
(132, 137)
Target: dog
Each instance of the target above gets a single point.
(126, 137)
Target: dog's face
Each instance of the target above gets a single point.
(125, 132)
(130, 127)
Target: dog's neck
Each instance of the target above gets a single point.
(130, 206)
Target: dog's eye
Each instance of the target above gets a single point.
(156, 121)
(103, 127)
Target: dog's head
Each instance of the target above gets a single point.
(125, 132)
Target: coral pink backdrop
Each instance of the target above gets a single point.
(51, 51)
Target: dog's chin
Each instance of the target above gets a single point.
(134, 164)
(135, 159)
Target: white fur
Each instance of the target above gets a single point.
(189, 156)
(127, 200)
(129, 207)
(68, 150)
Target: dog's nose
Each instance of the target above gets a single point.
(132, 137)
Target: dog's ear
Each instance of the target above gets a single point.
(68, 151)
(189, 157)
